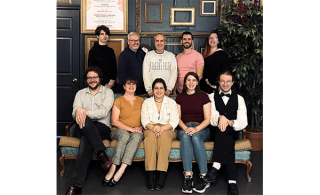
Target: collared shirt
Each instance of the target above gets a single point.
(168, 114)
(98, 105)
(240, 123)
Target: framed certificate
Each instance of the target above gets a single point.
(111, 13)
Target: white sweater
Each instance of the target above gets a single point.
(163, 66)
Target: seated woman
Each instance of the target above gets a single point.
(159, 116)
(194, 108)
(126, 116)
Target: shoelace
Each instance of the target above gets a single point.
(187, 181)
(201, 181)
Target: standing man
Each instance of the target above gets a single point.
(229, 113)
(130, 62)
(159, 63)
(188, 61)
(103, 56)
(91, 110)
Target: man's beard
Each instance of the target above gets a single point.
(187, 47)
(94, 88)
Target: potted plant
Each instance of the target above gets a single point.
(241, 33)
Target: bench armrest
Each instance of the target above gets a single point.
(68, 128)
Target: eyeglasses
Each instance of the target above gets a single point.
(214, 38)
(135, 41)
(128, 83)
(223, 82)
(92, 78)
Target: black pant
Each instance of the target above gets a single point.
(91, 142)
(223, 151)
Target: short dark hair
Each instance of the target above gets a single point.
(131, 80)
(95, 69)
(104, 28)
(187, 33)
(185, 89)
(227, 72)
(159, 80)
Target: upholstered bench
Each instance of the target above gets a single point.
(69, 146)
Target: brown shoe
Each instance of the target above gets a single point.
(105, 162)
(74, 190)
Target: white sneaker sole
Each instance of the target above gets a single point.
(187, 191)
(204, 189)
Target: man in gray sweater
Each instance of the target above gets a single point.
(159, 63)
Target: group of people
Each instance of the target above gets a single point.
(201, 101)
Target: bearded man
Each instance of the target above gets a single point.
(91, 110)
(188, 61)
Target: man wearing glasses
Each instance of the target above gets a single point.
(103, 56)
(130, 62)
(92, 112)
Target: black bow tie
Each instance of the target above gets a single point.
(222, 94)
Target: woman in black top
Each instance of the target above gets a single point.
(215, 61)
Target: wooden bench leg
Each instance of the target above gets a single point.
(249, 165)
(63, 165)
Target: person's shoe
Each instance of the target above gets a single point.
(106, 182)
(150, 180)
(161, 180)
(211, 176)
(201, 185)
(113, 182)
(104, 160)
(233, 189)
(74, 190)
(187, 184)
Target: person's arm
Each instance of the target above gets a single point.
(122, 68)
(200, 71)
(91, 60)
(146, 74)
(174, 116)
(116, 122)
(173, 74)
(181, 123)
(214, 113)
(207, 114)
(104, 107)
(113, 69)
(241, 122)
(145, 118)
(200, 66)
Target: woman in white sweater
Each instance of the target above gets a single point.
(159, 117)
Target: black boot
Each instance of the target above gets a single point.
(211, 175)
(161, 179)
(150, 180)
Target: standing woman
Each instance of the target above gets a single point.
(215, 61)
(126, 116)
(159, 116)
(194, 108)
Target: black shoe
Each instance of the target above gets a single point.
(211, 176)
(74, 190)
(161, 180)
(233, 189)
(150, 180)
(187, 184)
(105, 182)
(113, 182)
(104, 160)
(201, 185)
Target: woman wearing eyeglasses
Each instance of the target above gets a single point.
(126, 116)
(215, 61)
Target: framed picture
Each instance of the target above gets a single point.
(201, 50)
(175, 47)
(260, 2)
(113, 14)
(185, 14)
(63, 2)
(153, 11)
(208, 7)
(117, 43)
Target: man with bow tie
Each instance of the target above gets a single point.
(229, 114)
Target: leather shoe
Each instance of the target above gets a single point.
(150, 180)
(211, 175)
(233, 189)
(105, 182)
(74, 190)
(105, 162)
(161, 180)
(113, 182)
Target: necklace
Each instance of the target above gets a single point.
(157, 101)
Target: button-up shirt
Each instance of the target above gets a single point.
(240, 123)
(98, 105)
(168, 114)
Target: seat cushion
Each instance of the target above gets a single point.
(75, 142)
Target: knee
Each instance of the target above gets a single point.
(137, 136)
(183, 136)
(124, 136)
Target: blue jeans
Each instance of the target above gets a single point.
(193, 145)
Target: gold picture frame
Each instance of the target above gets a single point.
(182, 9)
(146, 13)
(251, 1)
(95, 13)
(215, 8)
(68, 2)
(117, 43)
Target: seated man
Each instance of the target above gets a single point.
(91, 110)
(229, 113)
